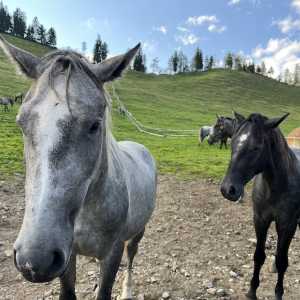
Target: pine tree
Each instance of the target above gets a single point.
(29, 33)
(41, 34)
(197, 60)
(140, 61)
(97, 50)
(206, 62)
(175, 61)
(210, 62)
(296, 75)
(83, 47)
(263, 68)
(286, 75)
(229, 60)
(104, 51)
(100, 50)
(154, 65)
(35, 26)
(5, 19)
(19, 21)
(51, 37)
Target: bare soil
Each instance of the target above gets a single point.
(194, 235)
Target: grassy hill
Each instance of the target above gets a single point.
(179, 102)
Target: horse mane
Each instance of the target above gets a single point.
(73, 60)
(274, 135)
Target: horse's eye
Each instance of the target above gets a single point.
(95, 127)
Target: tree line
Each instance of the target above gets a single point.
(15, 24)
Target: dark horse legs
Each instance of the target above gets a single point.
(261, 230)
(285, 234)
(67, 281)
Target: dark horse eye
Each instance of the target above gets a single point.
(95, 127)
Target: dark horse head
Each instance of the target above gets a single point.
(250, 151)
(222, 130)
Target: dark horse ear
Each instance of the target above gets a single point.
(112, 68)
(239, 117)
(273, 123)
(27, 64)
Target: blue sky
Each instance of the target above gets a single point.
(266, 30)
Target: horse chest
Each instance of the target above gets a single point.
(97, 227)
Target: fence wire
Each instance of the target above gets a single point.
(144, 129)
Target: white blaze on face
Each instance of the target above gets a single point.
(243, 138)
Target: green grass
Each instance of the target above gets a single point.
(182, 102)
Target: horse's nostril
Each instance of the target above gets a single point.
(58, 262)
(231, 191)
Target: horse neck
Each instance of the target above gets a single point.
(229, 127)
(277, 172)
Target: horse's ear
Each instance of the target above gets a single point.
(112, 68)
(218, 116)
(273, 123)
(27, 64)
(239, 117)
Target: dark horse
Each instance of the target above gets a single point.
(259, 150)
(19, 96)
(222, 130)
(4, 101)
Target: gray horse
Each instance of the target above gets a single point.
(19, 96)
(4, 101)
(203, 133)
(85, 193)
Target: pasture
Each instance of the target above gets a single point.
(180, 102)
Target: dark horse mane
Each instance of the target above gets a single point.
(273, 135)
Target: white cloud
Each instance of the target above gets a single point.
(287, 25)
(256, 2)
(183, 29)
(201, 19)
(150, 46)
(187, 38)
(90, 23)
(279, 54)
(213, 27)
(296, 4)
(161, 28)
(233, 2)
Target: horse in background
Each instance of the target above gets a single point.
(121, 111)
(260, 151)
(223, 129)
(101, 192)
(4, 101)
(19, 96)
(203, 133)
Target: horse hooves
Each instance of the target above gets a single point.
(249, 296)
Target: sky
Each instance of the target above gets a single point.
(261, 31)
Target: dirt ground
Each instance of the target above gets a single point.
(194, 237)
